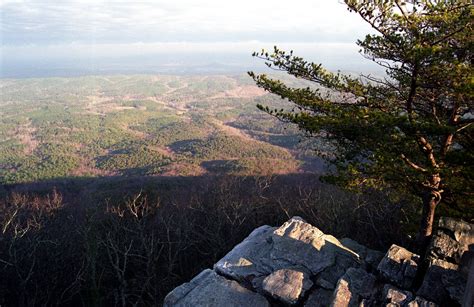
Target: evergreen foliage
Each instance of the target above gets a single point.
(407, 132)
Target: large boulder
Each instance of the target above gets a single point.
(212, 290)
(453, 241)
(399, 266)
(445, 247)
(299, 243)
(297, 264)
(329, 277)
(296, 244)
(450, 251)
(443, 283)
(371, 257)
(355, 285)
(287, 285)
(463, 232)
(359, 256)
(249, 259)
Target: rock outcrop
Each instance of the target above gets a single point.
(448, 257)
(297, 264)
(210, 289)
(399, 266)
(287, 285)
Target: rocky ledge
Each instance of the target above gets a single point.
(297, 264)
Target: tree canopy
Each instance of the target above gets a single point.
(409, 131)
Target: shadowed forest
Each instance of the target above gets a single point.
(120, 241)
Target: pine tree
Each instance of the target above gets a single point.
(410, 131)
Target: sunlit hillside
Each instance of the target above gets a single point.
(144, 125)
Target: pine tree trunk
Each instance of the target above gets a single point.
(427, 218)
(430, 202)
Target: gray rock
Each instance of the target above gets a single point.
(395, 296)
(352, 287)
(343, 295)
(283, 262)
(323, 282)
(443, 283)
(329, 277)
(371, 257)
(287, 285)
(257, 283)
(299, 243)
(361, 282)
(399, 266)
(421, 302)
(364, 257)
(319, 298)
(453, 241)
(462, 231)
(294, 244)
(445, 247)
(468, 299)
(249, 259)
(211, 289)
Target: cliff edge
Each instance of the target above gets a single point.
(298, 264)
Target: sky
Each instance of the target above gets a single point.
(159, 35)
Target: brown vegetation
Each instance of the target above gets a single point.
(132, 250)
(26, 135)
(245, 91)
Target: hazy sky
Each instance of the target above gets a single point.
(35, 30)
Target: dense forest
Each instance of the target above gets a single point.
(130, 240)
(142, 125)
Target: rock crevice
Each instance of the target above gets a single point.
(297, 264)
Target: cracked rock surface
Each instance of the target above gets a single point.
(210, 289)
(298, 264)
(287, 285)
